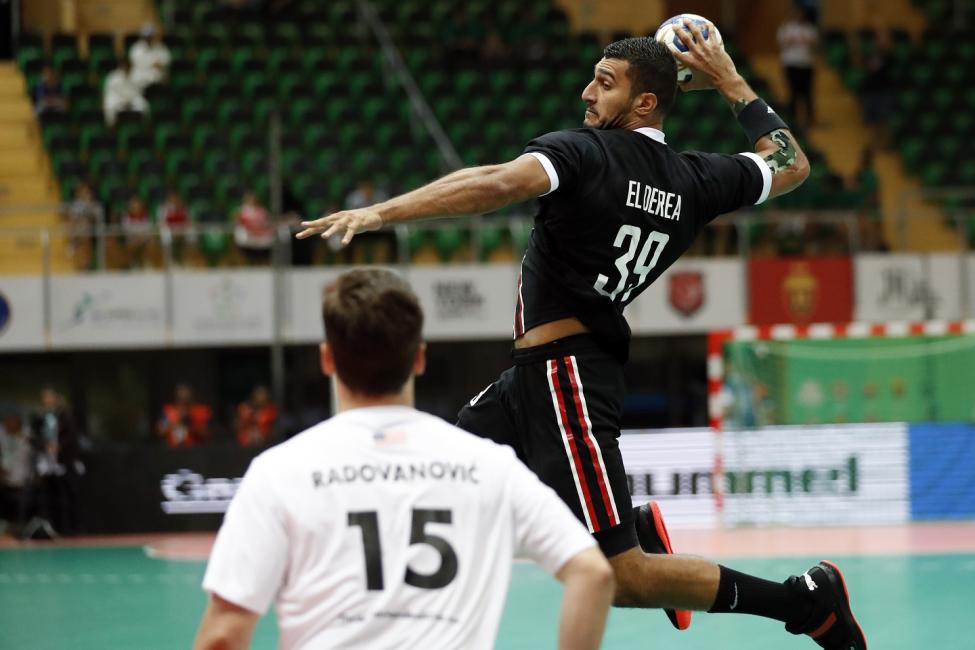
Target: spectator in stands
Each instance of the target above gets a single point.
(149, 57)
(57, 443)
(253, 230)
(877, 88)
(256, 419)
(173, 215)
(137, 230)
(122, 93)
(364, 195)
(15, 472)
(83, 214)
(184, 421)
(48, 96)
(798, 39)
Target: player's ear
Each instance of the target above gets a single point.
(420, 360)
(326, 359)
(645, 104)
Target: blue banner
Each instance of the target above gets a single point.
(942, 471)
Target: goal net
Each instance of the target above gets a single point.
(833, 374)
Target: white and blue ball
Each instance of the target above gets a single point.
(667, 35)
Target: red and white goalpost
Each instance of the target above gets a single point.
(816, 331)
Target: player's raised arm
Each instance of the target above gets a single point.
(467, 191)
(770, 136)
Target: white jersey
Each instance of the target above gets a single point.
(385, 527)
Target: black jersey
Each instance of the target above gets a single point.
(623, 207)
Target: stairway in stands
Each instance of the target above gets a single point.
(28, 194)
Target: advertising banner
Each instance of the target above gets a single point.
(942, 480)
(891, 287)
(849, 474)
(21, 312)
(146, 488)
(835, 475)
(800, 290)
(108, 310)
(692, 296)
(222, 307)
(466, 301)
(303, 303)
(675, 469)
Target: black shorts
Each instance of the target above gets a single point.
(559, 407)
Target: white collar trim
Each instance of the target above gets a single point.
(652, 133)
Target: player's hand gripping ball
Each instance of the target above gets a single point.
(666, 34)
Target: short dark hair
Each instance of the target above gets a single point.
(373, 324)
(653, 68)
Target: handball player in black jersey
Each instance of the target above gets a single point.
(619, 206)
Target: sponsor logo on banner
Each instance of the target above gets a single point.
(850, 474)
(458, 299)
(686, 291)
(694, 295)
(223, 307)
(803, 290)
(187, 492)
(5, 314)
(108, 309)
(785, 475)
(907, 287)
(228, 299)
(466, 301)
(103, 309)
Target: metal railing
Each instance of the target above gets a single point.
(65, 247)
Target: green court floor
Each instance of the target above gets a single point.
(88, 598)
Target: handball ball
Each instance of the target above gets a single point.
(667, 35)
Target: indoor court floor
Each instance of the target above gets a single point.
(913, 588)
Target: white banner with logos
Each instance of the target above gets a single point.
(466, 301)
(849, 474)
(694, 295)
(834, 475)
(221, 307)
(21, 312)
(905, 287)
(673, 468)
(303, 303)
(108, 310)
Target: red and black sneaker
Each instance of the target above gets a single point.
(831, 623)
(652, 533)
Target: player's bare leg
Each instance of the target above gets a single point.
(677, 581)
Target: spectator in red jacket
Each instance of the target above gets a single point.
(253, 230)
(184, 422)
(172, 214)
(256, 418)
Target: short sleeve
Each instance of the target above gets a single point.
(567, 157)
(248, 560)
(727, 183)
(546, 531)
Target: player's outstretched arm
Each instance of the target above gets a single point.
(225, 626)
(473, 190)
(772, 139)
(589, 589)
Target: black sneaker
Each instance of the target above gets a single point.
(652, 534)
(831, 623)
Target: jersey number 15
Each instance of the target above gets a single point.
(642, 267)
(369, 523)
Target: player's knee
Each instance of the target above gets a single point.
(629, 587)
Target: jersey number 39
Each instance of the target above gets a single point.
(369, 523)
(642, 267)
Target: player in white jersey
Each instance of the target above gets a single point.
(384, 527)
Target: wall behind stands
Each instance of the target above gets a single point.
(859, 474)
